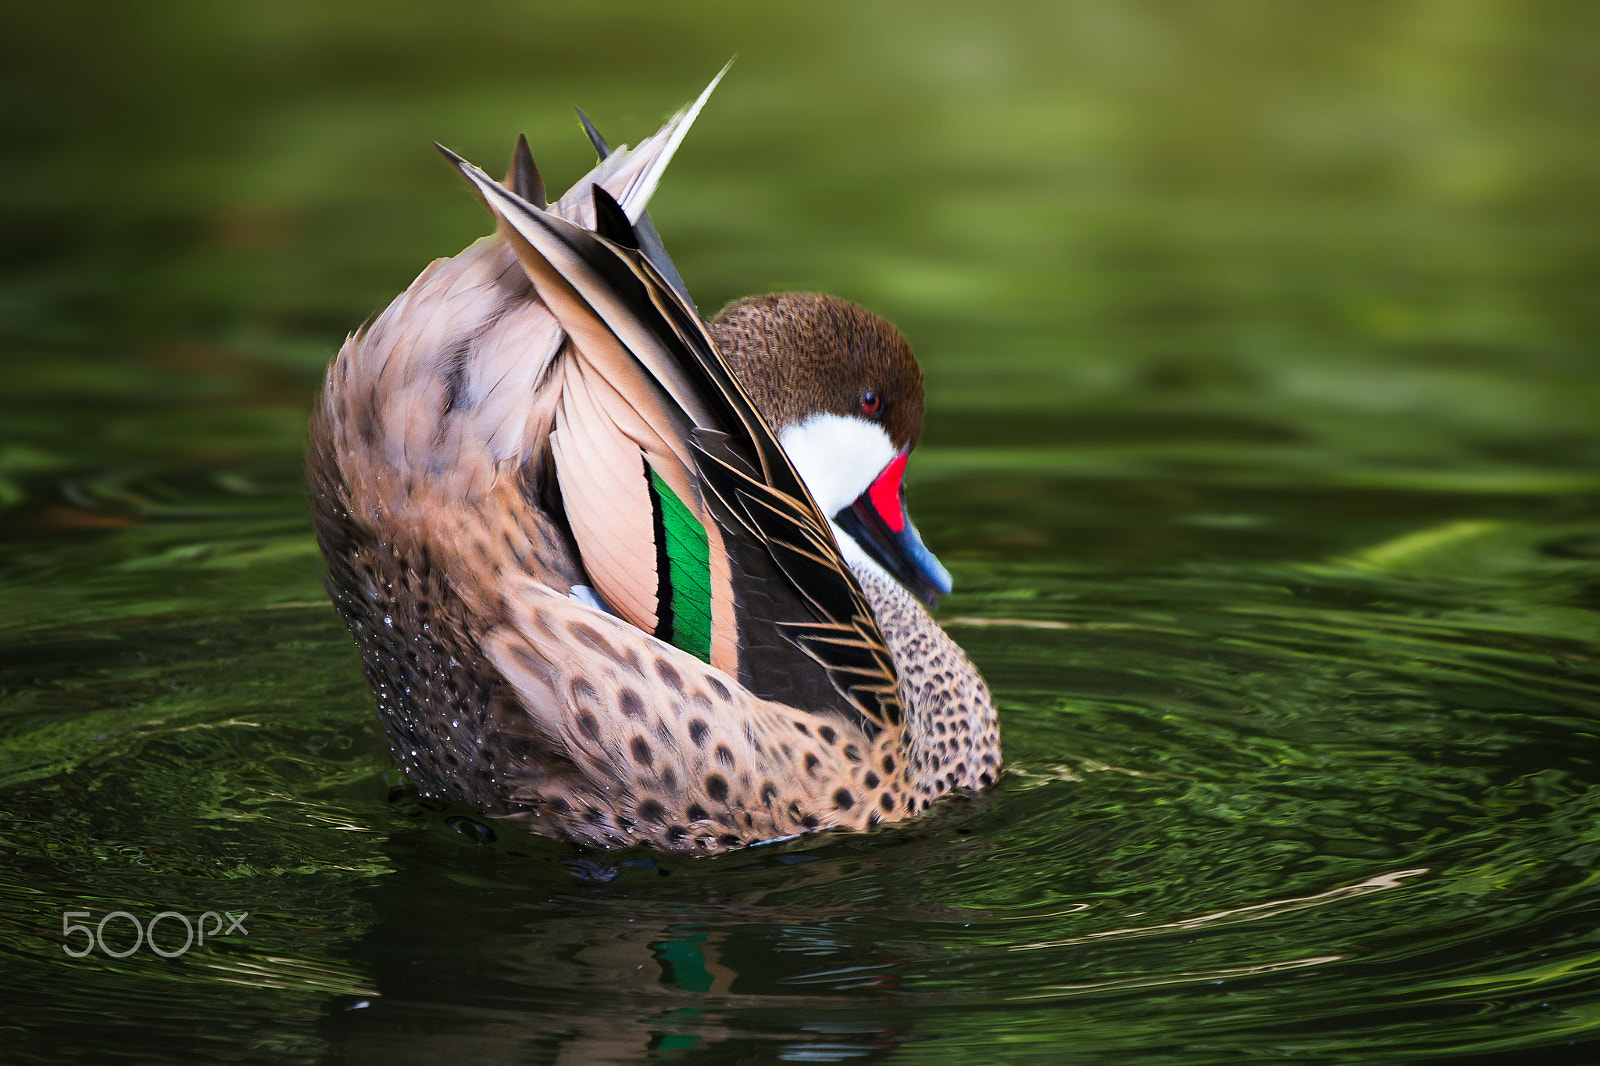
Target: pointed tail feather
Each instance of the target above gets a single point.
(660, 150)
(648, 239)
(601, 148)
(524, 178)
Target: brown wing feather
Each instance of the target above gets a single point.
(607, 504)
(596, 288)
(673, 750)
(609, 401)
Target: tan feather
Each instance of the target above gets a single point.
(607, 501)
(623, 394)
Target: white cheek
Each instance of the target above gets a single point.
(837, 457)
(856, 556)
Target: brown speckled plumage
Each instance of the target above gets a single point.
(451, 549)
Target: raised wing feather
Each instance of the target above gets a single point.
(805, 635)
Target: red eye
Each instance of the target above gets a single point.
(871, 403)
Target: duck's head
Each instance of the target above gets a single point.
(843, 392)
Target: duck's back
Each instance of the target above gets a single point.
(421, 472)
(449, 557)
(449, 553)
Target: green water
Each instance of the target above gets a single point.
(1264, 447)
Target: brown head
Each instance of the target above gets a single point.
(841, 389)
(799, 353)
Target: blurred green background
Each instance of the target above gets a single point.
(1373, 222)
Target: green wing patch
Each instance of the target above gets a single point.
(683, 572)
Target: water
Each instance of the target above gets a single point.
(1261, 344)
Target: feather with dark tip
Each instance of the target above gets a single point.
(632, 303)
(601, 148)
(611, 222)
(647, 239)
(524, 178)
(560, 257)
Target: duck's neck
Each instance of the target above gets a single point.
(951, 731)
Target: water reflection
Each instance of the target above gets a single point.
(656, 960)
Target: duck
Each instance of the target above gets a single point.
(626, 575)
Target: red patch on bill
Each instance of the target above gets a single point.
(885, 494)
